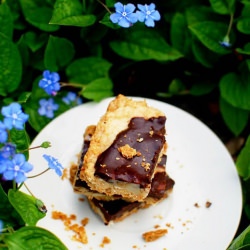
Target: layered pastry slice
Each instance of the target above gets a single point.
(125, 149)
(114, 208)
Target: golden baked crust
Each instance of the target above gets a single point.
(116, 119)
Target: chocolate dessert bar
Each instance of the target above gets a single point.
(114, 208)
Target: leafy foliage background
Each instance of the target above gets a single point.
(198, 50)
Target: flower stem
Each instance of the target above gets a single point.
(77, 85)
(230, 24)
(29, 190)
(14, 185)
(33, 176)
(105, 6)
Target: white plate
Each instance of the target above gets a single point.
(198, 162)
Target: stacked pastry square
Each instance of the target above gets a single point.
(122, 163)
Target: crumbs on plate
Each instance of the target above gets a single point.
(105, 241)
(154, 235)
(79, 230)
(207, 204)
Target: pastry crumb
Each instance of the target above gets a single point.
(145, 165)
(105, 241)
(196, 205)
(127, 151)
(64, 174)
(208, 204)
(154, 235)
(81, 199)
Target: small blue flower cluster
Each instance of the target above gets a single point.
(125, 16)
(54, 164)
(50, 84)
(13, 166)
(1, 226)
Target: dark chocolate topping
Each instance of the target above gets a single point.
(160, 184)
(112, 210)
(146, 139)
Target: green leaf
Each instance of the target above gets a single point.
(223, 6)
(235, 89)
(6, 22)
(245, 50)
(144, 44)
(110, 3)
(236, 119)
(25, 205)
(106, 21)
(36, 121)
(180, 36)
(202, 54)
(38, 14)
(23, 97)
(21, 139)
(243, 22)
(199, 13)
(98, 89)
(24, 52)
(35, 41)
(243, 161)
(210, 34)
(10, 66)
(176, 87)
(69, 12)
(202, 88)
(58, 53)
(87, 69)
(7, 212)
(242, 241)
(243, 25)
(33, 238)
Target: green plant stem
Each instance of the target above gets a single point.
(230, 24)
(105, 6)
(33, 176)
(29, 190)
(77, 85)
(20, 185)
(14, 185)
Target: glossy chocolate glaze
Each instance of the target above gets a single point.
(160, 183)
(147, 138)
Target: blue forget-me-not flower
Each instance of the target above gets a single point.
(124, 15)
(14, 116)
(8, 150)
(50, 82)
(16, 168)
(148, 14)
(54, 164)
(47, 107)
(3, 133)
(1, 226)
(72, 98)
